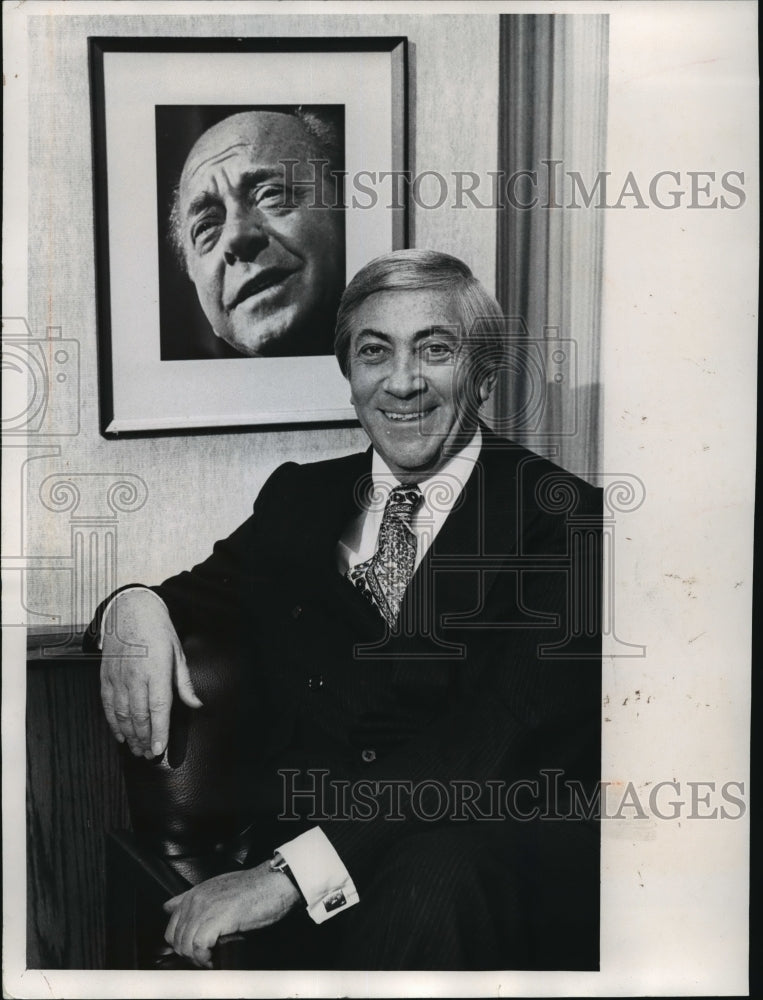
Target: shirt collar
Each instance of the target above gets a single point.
(458, 468)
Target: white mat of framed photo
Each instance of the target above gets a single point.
(140, 392)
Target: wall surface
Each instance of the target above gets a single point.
(200, 487)
(679, 343)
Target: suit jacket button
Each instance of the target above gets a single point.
(368, 756)
(296, 612)
(315, 683)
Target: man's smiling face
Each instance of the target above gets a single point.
(267, 261)
(408, 371)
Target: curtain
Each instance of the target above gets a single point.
(552, 122)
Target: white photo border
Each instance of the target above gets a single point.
(139, 393)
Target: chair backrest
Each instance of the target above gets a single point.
(190, 801)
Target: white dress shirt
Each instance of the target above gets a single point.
(320, 873)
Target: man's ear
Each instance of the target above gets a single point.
(487, 386)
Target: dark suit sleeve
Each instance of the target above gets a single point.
(528, 711)
(216, 595)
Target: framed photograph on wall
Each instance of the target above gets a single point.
(225, 225)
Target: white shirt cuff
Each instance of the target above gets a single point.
(105, 617)
(320, 873)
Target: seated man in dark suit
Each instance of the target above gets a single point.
(425, 679)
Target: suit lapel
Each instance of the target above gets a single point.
(332, 504)
(453, 581)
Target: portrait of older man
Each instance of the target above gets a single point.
(256, 223)
(421, 626)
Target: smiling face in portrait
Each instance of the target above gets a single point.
(409, 371)
(267, 261)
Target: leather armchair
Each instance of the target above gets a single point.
(187, 822)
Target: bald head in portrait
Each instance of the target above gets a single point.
(255, 226)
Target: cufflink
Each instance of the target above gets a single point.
(335, 901)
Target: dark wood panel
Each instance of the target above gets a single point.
(75, 793)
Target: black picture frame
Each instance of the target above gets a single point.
(146, 389)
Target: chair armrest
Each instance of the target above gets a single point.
(192, 800)
(156, 881)
(148, 867)
(188, 812)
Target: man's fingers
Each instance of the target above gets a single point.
(123, 716)
(204, 941)
(137, 692)
(137, 689)
(141, 717)
(107, 698)
(159, 703)
(183, 680)
(178, 919)
(192, 930)
(185, 931)
(169, 933)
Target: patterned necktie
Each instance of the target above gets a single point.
(384, 577)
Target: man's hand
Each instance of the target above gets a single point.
(136, 691)
(237, 901)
